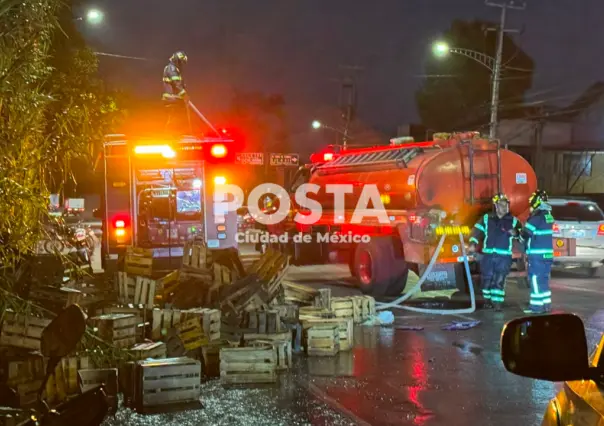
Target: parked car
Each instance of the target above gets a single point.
(582, 219)
(554, 348)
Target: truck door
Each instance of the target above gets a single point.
(117, 222)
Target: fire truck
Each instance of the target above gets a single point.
(429, 190)
(159, 194)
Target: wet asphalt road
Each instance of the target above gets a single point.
(430, 377)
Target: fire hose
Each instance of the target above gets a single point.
(397, 303)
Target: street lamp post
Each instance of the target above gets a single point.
(316, 124)
(442, 49)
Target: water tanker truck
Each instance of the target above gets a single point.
(428, 189)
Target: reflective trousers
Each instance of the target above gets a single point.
(494, 269)
(177, 120)
(539, 270)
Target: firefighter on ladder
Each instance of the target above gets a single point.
(496, 231)
(537, 234)
(175, 95)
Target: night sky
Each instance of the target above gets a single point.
(295, 47)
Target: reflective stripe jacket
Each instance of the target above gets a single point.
(174, 87)
(538, 233)
(496, 234)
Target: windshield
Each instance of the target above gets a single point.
(581, 212)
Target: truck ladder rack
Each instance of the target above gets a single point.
(397, 156)
(472, 152)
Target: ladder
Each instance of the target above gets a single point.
(472, 153)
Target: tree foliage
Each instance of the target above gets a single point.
(457, 90)
(52, 109)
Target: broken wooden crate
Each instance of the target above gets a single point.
(159, 384)
(56, 298)
(211, 356)
(137, 290)
(248, 365)
(323, 299)
(108, 377)
(289, 313)
(139, 311)
(323, 340)
(22, 330)
(299, 293)
(117, 329)
(210, 321)
(153, 350)
(196, 255)
(345, 327)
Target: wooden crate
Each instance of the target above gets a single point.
(323, 299)
(196, 255)
(163, 320)
(248, 365)
(144, 292)
(323, 340)
(108, 377)
(142, 315)
(167, 285)
(211, 356)
(20, 366)
(138, 261)
(22, 331)
(191, 334)
(55, 297)
(210, 321)
(153, 350)
(282, 349)
(284, 335)
(126, 286)
(289, 313)
(162, 383)
(299, 293)
(117, 329)
(264, 321)
(64, 381)
(370, 303)
(345, 327)
(310, 312)
(347, 307)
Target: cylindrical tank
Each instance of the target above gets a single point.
(438, 178)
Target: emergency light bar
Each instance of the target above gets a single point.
(165, 150)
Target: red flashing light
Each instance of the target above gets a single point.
(218, 151)
(556, 228)
(412, 218)
(328, 156)
(572, 203)
(120, 224)
(601, 229)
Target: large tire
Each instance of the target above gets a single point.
(379, 271)
(53, 246)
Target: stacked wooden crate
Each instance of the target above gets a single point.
(266, 328)
(345, 329)
(359, 308)
(21, 330)
(22, 371)
(117, 329)
(323, 340)
(63, 383)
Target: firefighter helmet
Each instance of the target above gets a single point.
(500, 197)
(537, 197)
(179, 58)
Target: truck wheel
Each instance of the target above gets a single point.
(378, 270)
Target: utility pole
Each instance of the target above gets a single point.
(348, 99)
(496, 76)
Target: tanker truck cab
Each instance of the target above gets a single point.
(160, 194)
(431, 191)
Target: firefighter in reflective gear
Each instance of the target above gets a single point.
(175, 94)
(538, 237)
(496, 231)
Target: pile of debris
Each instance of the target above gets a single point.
(214, 317)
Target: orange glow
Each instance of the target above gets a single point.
(120, 232)
(218, 151)
(601, 229)
(220, 180)
(120, 224)
(165, 150)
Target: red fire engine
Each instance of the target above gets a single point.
(159, 194)
(429, 189)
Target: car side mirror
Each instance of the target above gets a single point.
(546, 347)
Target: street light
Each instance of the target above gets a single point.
(316, 124)
(93, 16)
(442, 49)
